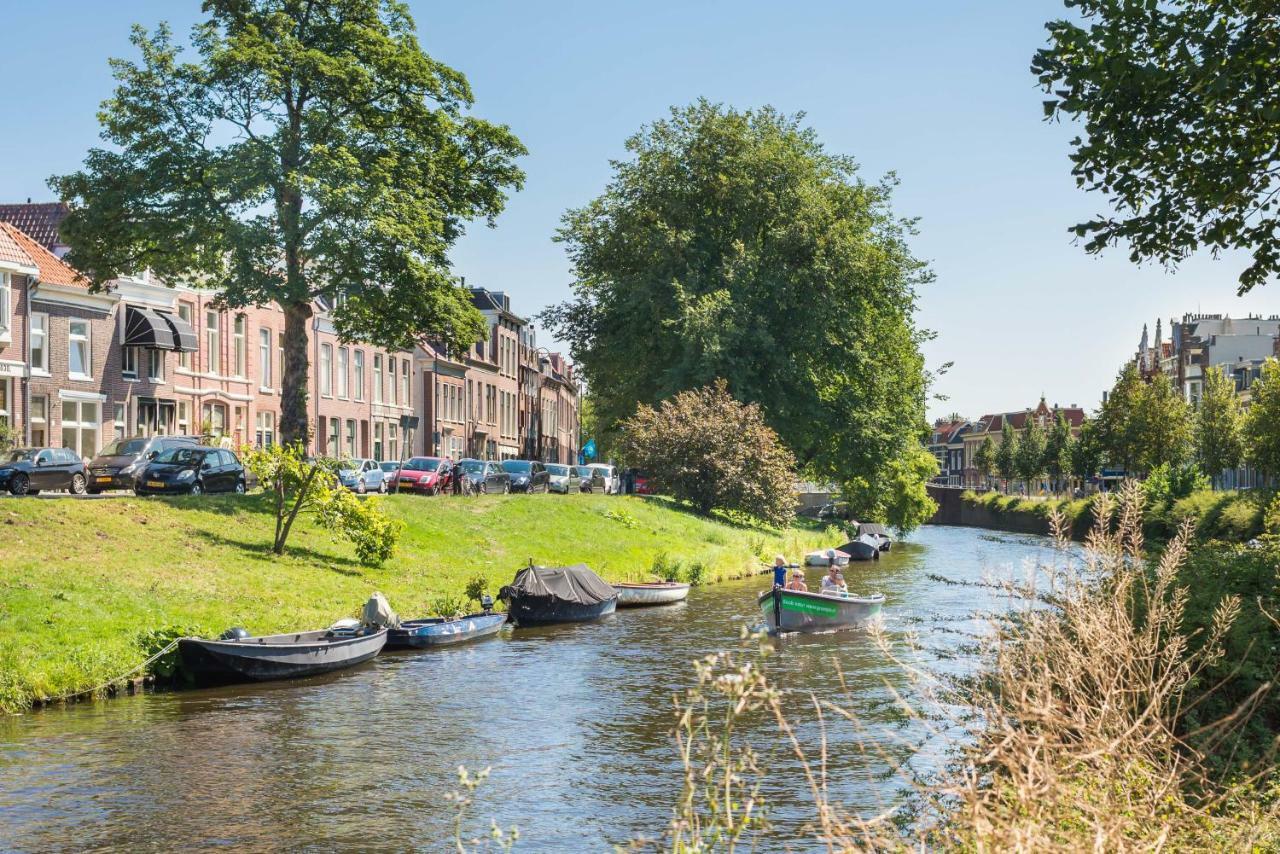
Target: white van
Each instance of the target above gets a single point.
(609, 475)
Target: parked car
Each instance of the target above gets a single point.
(192, 470)
(484, 476)
(608, 476)
(362, 475)
(426, 475)
(582, 476)
(527, 475)
(389, 468)
(640, 483)
(29, 471)
(560, 478)
(118, 465)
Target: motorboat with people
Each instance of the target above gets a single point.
(802, 611)
(639, 595)
(544, 595)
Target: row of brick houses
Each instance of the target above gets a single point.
(955, 442)
(80, 368)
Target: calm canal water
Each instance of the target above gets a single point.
(575, 722)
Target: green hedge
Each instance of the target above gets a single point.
(1231, 516)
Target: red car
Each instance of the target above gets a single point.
(427, 475)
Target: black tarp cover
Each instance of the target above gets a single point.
(575, 583)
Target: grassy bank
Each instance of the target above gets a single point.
(82, 581)
(1229, 516)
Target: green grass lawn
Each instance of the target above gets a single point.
(81, 581)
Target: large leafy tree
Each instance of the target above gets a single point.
(1007, 453)
(1164, 425)
(984, 459)
(1057, 450)
(1262, 421)
(1029, 456)
(1217, 424)
(1181, 117)
(1086, 452)
(1120, 419)
(311, 150)
(732, 245)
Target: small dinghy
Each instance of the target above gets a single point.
(438, 631)
(655, 593)
(863, 548)
(878, 533)
(798, 611)
(239, 657)
(543, 595)
(826, 557)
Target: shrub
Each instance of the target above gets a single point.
(1240, 519)
(476, 588)
(710, 450)
(373, 534)
(448, 606)
(696, 574)
(1166, 484)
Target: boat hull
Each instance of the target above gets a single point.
(420, 634)
(644, 595)
(858, 550)
(526, 611)
(276, 657)
(796, 611)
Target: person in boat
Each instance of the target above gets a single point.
(833, 582)
(797, 581)
(779, 571)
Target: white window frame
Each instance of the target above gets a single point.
(6, 395)
(39, 331)
(6, 307)
(264, 357)
(82, 427)
(212, 342)
(352, 436)
(405, 375)
(87, 340)
(377, 378)
(155, 365)
(326, 370)
(39, 421)
(185, 312)
(239, 351)
(357, 368)
(344, 367)
(129, 362)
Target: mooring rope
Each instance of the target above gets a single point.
(94, 690)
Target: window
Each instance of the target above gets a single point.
(129, 363)
(359, 378)
(404, 383)
(155, 366)
(213, 418)
(212, 344)
(333, 448)
(6, 304)
(239, 424)
(280, 364)
(264, 358)
(185, 313)
(377, 440)
(184, 418)
(344, 356)
(39, 417)
(238, 345)
(266, 421)
(6, 395)
(39, 343)
(393, 442)
(80, 426)
(351, 438)
(391, 380)
(78, 361)
(377, 378)
(326, 370)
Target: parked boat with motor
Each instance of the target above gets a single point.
(237, 656)
(827, 557)
(654, 593)
(877, 532)
(443, 631)
(861, 548)
(800, 611)
(543, 595)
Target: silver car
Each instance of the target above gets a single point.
(362, 475)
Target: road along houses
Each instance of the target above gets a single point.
(80, 367)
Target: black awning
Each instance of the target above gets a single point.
(145, 328)
(184, 337)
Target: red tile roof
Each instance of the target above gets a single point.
(52, 269)
(40, 220)
(11, 251)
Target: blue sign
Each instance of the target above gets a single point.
(589, 449)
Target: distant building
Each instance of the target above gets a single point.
(946, 443)
(992, 426)
(1198, 342)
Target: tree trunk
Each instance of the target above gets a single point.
(294, 421)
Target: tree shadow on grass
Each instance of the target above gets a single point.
(261, 551)
(732, 520)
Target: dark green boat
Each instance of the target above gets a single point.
(796, 611)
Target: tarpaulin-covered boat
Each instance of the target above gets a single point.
(877, 532)
(541, 595)
(799, 611)
(655, 593)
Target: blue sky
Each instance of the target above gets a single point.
(937, 91)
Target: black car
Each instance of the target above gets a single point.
(485, 476)
(192, 470)
(118, 465)
(29, 471)
(527, 475)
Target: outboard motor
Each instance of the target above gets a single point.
(234, 633)
(486, 603)
(377, 612)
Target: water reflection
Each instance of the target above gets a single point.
(575, 721)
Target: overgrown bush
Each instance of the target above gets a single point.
(714, 452)
(1166, 484)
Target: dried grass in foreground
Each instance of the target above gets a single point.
(1075, 738)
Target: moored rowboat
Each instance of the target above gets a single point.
(437, 631)
(656, 593)
(799, 611)
(289, 656)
